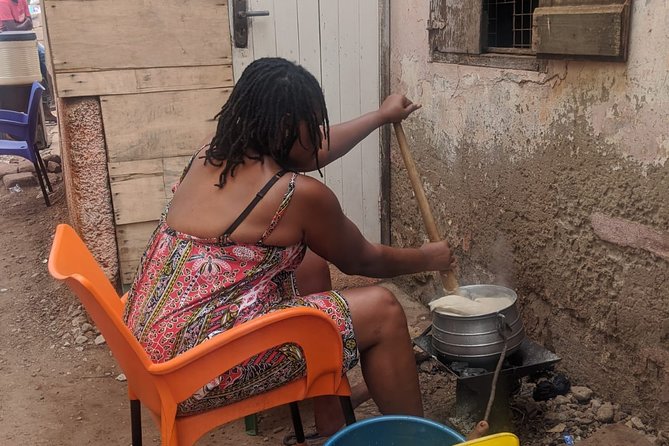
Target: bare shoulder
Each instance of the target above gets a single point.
(313, 196)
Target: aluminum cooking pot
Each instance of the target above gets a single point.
(478, 340)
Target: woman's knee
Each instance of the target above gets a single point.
(389, 308)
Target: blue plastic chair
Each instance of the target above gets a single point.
(396, 430)
(23, 128)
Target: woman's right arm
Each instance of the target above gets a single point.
(331, 235)
(345, 136)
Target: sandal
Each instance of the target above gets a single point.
(312, 439)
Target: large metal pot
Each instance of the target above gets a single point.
(478, 339)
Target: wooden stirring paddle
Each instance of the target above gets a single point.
(448, 279)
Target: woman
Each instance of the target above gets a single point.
(216, 261)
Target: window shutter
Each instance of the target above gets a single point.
(582, 29)
(455, 26)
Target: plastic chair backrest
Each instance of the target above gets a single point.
(503, 439)
(33, 110)
(71, 261)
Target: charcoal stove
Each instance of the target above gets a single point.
(473, 383)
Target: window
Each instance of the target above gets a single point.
(522, 34)
(508, 24)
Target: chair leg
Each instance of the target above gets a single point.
(46, 172)
(347, 408)
(40, 180)
(136, 422)
(297, 424)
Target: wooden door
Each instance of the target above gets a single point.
(338, 42)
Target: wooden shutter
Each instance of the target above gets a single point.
(455, 26)
(582, 29)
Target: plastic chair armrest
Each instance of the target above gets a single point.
(309, 328)
(15, 129)
(10, 115)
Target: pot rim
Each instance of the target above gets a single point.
(512, 294)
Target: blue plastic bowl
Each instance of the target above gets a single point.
(396, 430)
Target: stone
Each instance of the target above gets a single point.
(582, 394)
(99, 340)
(614, 435)
(557, 428)
(426, 367)
(6, 169)
(53, 167)
(52, 157)
(81, 339)
(26, 166)
(21, 179)
(555, 417)
(561, 399)
(595, 404)
(619, 416)
(121, 377)
(78, 320)
(637, 423)
(605, 413)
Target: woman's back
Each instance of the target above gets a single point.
(202, 209)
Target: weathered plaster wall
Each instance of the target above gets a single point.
(85, 172)
(556, 184)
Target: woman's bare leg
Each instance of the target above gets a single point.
(386, 353)
(313, 276)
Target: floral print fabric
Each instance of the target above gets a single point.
(189, 289)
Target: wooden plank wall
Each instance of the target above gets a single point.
(162, 70)
(120, 34)
(150, 138)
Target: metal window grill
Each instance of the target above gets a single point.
(509, 22)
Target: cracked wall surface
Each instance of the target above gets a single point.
(555, 184)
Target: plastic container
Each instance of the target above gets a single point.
(396, 430)
(19, 61)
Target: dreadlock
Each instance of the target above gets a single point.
(263, 114)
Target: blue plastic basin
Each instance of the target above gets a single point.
(396, 430)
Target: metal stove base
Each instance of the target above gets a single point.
(472, 392)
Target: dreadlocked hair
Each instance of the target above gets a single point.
(263, 114)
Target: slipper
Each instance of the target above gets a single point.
(313, 439)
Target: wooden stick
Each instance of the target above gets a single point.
(448, 279)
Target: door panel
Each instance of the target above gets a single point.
(338, 42)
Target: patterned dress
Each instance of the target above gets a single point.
(190, 289)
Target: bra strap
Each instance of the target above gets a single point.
(245, 213)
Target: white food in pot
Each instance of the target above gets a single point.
(463, 306)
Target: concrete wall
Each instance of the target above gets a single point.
(86, 181)
(557, 185)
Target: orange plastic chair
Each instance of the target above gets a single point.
(160, 387)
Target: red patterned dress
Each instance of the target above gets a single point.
(190, 289)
